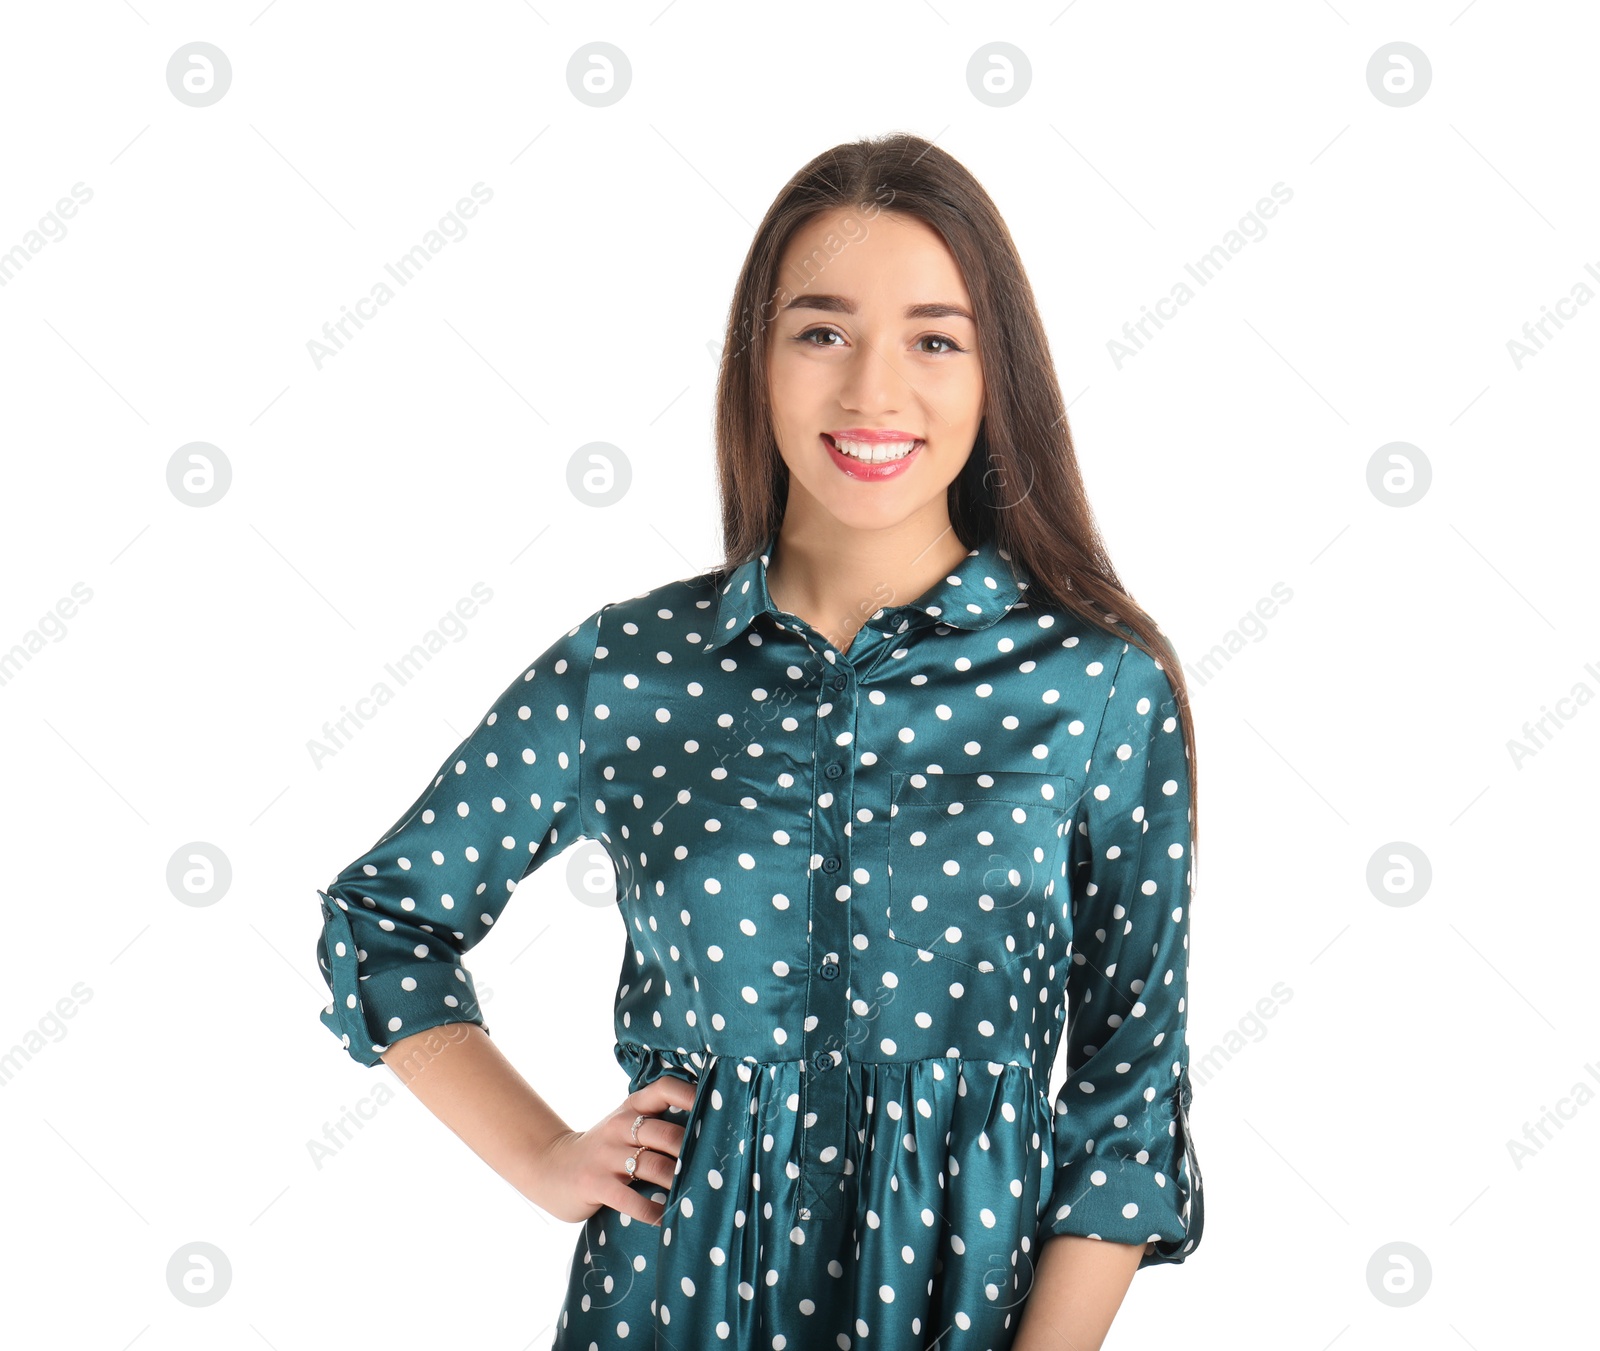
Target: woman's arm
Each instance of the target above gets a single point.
(1077, 1290)
(458, 1073)
(1124, 1167)
(1123, 1192)
(399, 919)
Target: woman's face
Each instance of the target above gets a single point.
(873, 351)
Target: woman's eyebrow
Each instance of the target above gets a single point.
(934, 309)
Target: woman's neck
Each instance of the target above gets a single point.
(836, 578)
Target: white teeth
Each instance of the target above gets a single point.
(876, 452)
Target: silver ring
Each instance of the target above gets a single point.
(636, 1122)
(632, 1161)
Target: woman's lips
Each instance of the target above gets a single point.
(862, 469)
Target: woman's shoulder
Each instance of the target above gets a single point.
(1107, 651)
(1080, 641)
(680, 605)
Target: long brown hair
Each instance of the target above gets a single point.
(1021, 486)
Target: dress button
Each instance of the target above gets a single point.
(830, 864)
(823, 1060)
(829, 970)
(841, 682)
(834, 771)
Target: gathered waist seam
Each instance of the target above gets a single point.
(699, 1060)
(672, 1052)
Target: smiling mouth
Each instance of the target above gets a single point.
(872, 452)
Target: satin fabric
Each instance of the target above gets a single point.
(863, 893)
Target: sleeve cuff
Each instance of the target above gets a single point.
(372, 1009)
(1112, 1195)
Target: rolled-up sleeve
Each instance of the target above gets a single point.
(397, 920)
(1125, 1167)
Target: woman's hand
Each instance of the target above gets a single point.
(580, 1171)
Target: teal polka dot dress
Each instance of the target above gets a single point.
(865, 894)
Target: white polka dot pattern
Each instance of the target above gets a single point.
(864, 894)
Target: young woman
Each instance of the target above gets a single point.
(898, 797)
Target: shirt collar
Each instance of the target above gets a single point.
(984, 585)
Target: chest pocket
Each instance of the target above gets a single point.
(970, 858)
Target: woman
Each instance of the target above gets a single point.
(890, 794)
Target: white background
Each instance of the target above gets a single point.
(586, 302)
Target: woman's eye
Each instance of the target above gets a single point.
(950, 344)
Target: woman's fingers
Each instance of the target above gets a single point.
(659, 1094)
(655, 1168)
(659, 1135)
(657, 1163)
(654, 1100)
(623, 1198)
